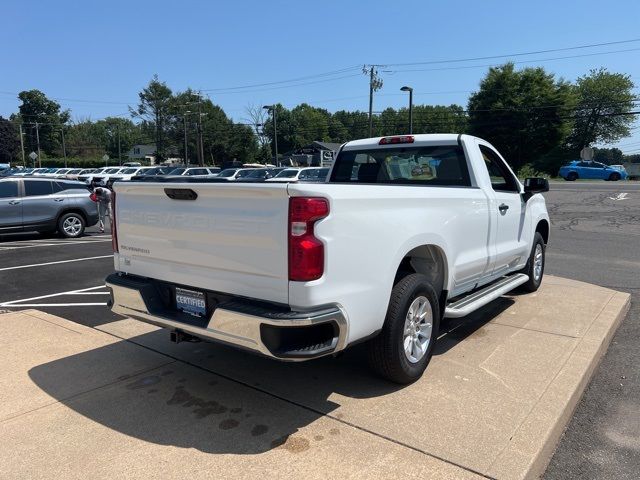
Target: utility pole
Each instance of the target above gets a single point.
(38, 142)
(275, 134)
(371, 103)
(64, 148)
(24, 164)
(375, 84)
(200, 145)
(272, 109)
(186, 155)
(119, 146)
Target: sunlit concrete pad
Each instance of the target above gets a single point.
(175, 420)
(32, 338)
(123, 402)
(495, 398)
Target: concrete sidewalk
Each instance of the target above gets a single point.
(121, 401)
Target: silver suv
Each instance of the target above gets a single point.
(45, 205)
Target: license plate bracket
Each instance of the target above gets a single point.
(191, 302)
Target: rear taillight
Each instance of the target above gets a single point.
(112, 221)
(306, 252)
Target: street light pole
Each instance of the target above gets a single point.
(410, 90)
(272, 109)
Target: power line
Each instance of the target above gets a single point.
(520, 54)
(335, 72)
(518, 62)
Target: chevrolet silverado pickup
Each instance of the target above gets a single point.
(406, 230)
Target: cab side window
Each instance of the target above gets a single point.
(8, 189)
(34, 188)
(501, 178)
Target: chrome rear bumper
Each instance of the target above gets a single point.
(292, 336)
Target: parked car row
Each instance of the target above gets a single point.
(106, 176)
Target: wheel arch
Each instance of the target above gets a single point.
(79, 211)
(429, 260)
(542, 227)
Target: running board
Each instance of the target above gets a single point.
(480, 298)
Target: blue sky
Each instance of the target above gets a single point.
(94, 57)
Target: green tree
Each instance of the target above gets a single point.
(112, 129)
(601, 114)
(356, 124)
(309, 124)
(523, 113)
(285, 128)
(156, 106)
(37, 108)
(9, 141)
(610, 156)
(243, 144)
(84, 139)
(435, 119)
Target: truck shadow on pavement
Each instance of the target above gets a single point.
(220, 400)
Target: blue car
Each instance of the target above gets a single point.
(586, 169)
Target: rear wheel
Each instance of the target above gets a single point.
(71, 225)
(535, 265)
(403, 349)
(572, 176)
(614, 177)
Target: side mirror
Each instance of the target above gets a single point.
(535, 185)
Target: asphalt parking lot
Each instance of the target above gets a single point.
(595, 238)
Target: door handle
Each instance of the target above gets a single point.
(58, 199)
(14, 202)
(503, 207)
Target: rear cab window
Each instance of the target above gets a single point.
(429, 165)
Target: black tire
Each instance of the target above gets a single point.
(614, 177)
(386, 351)
(533, 283)
(71, 225)
(572, 177)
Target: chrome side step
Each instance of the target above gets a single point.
(478, 299)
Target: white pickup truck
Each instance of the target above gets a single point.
(406, 230)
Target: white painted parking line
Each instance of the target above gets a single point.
(18, 267)
(620, 196)
(19, 247)
(34, 305)
(83, 291)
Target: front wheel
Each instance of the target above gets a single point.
(403, 349)
(572, 176)
(614, 177)
(71, 225)
(535, 265)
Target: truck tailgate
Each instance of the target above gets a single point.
(232, 238)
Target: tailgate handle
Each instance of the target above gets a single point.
(180, 193)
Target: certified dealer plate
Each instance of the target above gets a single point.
(190, 301)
